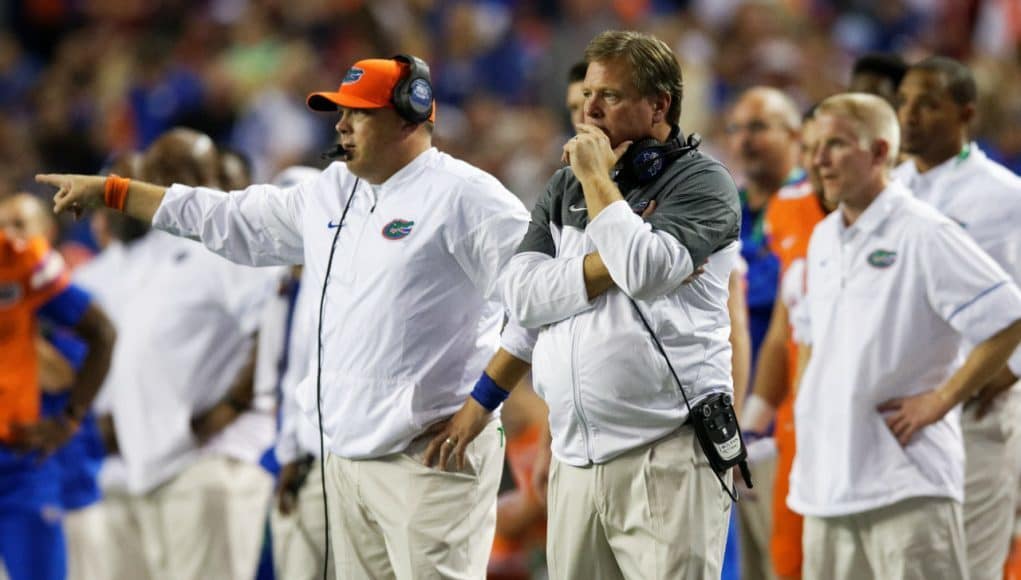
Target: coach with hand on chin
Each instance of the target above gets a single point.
(631, 494)
(403, 245)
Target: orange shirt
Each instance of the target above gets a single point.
(31, 273)
(790, 219)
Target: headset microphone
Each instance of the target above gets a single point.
(336, 152)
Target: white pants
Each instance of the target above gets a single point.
(299, 538)
(654, 513)
(914, 539)
(207, 522)
(991, 447)
(393, 517)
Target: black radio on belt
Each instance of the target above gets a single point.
(717, 431)
(714, 422)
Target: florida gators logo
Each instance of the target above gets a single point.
(397, 229)
(354, 74)
(882, 258)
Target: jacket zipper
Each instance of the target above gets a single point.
(576, 389)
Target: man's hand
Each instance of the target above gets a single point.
(589, 153)
(452, 436)
(208, 423)
(46, 436)
(108, 433)
(908, 415)
(292, 476)
(75, 193)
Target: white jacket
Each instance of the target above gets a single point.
(608, 388)
(410, 313)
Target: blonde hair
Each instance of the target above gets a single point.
(873, 118)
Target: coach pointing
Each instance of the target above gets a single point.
(404, 245)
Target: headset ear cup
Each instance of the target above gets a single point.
(646, 158)
(413, 94)
(638, 164)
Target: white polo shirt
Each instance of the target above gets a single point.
(889, 300)
(982, 196)
(249, 436)
(185, 320)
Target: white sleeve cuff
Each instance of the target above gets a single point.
(518, 341)
(757, 414)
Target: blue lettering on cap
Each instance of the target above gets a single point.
(354, 74)
(421, 94)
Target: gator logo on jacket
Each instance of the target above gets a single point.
(397, 229)
(882, 258)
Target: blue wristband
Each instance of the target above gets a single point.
(488, 393)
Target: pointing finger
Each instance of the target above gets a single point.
(53, 179)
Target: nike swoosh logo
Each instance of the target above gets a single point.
(576, 208)
(332, 225)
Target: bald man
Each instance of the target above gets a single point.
(763, 136)
(187, 423)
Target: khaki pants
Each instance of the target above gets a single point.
(207, 522)
(90, 546)
(917, 538)
(755, 522)
(991, 446)
(104, 541)
(299, 538)
(654, 513)
(393, 517)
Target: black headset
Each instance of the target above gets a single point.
(412, 98)
(413, 93)
(646, 159)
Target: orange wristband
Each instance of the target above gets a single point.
(115, 191)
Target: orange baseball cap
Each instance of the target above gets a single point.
(368, 84)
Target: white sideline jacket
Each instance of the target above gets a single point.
(410, 313)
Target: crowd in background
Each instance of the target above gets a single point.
(81, 81)
(84, 81)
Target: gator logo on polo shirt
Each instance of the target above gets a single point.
(882, 258)
(397, 229)
(354, 74)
